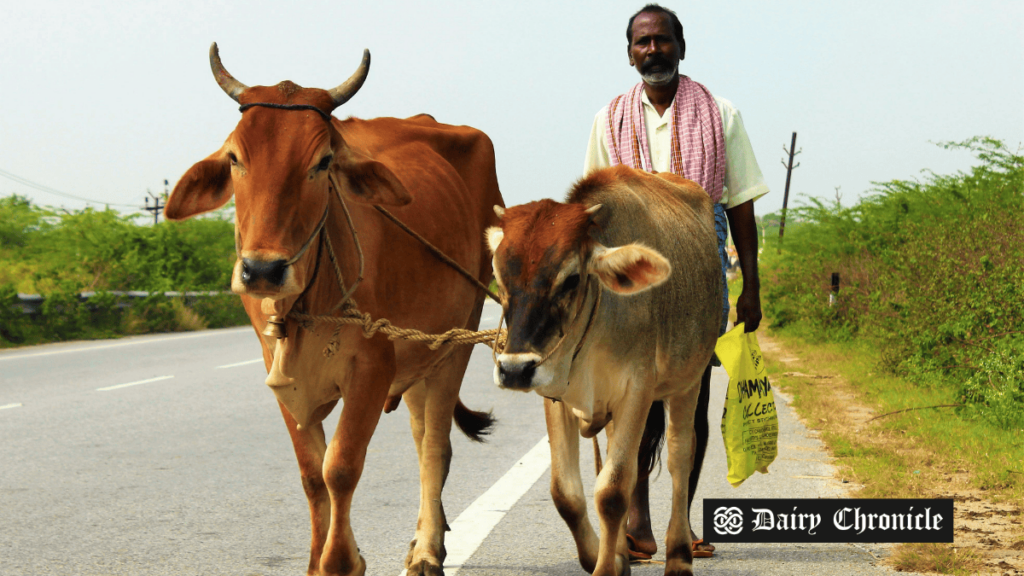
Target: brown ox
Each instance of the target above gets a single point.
(440, 181)
(647, 242)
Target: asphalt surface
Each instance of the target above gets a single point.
(166, 454)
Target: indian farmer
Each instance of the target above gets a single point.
(670, 123)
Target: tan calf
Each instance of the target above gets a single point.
(613, 303)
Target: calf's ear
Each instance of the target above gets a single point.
(629, 269)
(367, 181)
(494, 237)
(206, 186)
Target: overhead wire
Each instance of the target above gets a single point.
(48, 190)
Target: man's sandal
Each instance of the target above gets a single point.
(700, 553)
(634, 554)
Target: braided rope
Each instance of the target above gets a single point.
(353, 317)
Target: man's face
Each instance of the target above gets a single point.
(654, 51)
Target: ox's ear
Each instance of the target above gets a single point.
(629, 269)
(368, 181)
(206, 186)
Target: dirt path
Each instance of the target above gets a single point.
(988, 534)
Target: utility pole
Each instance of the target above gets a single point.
(157, 206)
(789, 173)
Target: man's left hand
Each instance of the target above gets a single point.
(748, 309)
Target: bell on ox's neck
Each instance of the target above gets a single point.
(275, 321)
(275, 327)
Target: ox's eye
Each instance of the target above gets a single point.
(570, 284)
(325, 163)
(233, 158)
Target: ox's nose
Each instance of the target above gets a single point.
(516, 372)
(257, 271)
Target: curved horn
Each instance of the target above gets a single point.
(348, 89)
(227, 82)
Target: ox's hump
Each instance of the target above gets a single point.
(287, 87)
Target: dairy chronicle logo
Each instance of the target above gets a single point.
(728, 520)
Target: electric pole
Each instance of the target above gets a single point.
(789, 173)
(157, 206)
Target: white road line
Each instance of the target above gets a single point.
(119, 344)
(157, 379)
(241, 363)
(6, 406)
(476, 522)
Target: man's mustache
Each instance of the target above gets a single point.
(654, 62)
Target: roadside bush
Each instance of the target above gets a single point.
(62, 315)
(105, 315)
(930, 270)
(155, 313)
(221, 311)
(13, 330)
(995, 389)
(60, 254)
(42, 251)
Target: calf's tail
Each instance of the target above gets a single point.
(650, 444)
(473, 424)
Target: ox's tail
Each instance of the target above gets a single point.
(473, 424)
(650, 444)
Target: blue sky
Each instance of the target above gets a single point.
(104, 100)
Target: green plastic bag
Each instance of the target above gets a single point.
(750, 424)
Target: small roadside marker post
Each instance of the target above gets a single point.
(833, 296)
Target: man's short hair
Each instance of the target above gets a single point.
(677, 26)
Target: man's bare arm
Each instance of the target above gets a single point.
(744, 234)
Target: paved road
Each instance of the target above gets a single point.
(166, 454)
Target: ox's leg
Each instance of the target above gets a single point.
(343, 463)
(431, 405)
(681, 448)
(616, 481)
(566, 482)
(309, 445)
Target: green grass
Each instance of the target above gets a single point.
(906, 454)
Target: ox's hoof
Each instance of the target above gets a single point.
(358, 570)
(677, 567)
(426, 566)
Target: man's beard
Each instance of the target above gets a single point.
(664, 76)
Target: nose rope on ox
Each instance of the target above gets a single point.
(350, 313)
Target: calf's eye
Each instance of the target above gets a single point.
(571, 283)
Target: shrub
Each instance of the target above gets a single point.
(221, 311)
(62, 315)
(931, 270)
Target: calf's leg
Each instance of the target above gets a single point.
(701, 431)
(566, 482)
(681, 444)
(615, 484)
(638, 525)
